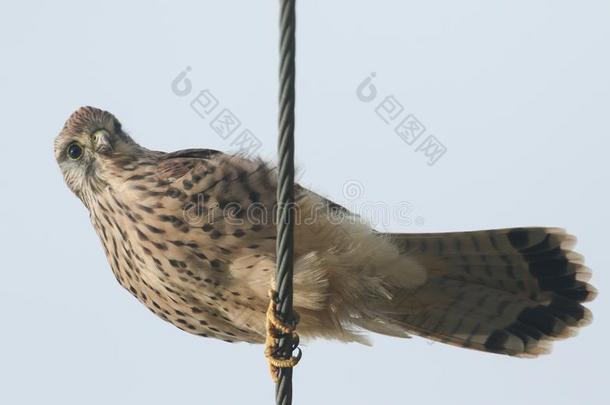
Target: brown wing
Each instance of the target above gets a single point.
(222, 208)
(179, 163)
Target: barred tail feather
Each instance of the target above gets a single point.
(509, 291)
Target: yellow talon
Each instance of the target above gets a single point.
(275, 330)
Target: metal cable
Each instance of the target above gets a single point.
(285, 194)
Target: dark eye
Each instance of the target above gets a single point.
(75, 151)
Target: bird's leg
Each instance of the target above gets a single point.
(277, 329)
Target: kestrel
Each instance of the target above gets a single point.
(191, 234)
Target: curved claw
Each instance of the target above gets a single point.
(277, 329)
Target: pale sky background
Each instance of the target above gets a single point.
(518, 92)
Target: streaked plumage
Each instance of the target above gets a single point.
(191, 235)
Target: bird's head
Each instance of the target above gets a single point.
(90, 141)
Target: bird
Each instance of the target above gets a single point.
(191, 235)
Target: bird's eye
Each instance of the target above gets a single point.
(74, 151)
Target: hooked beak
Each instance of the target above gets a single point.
(101, 141)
